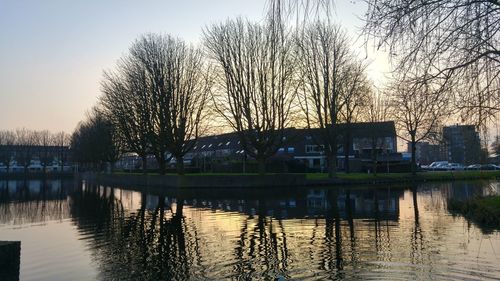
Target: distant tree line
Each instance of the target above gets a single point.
(24, 145)
(95, 142)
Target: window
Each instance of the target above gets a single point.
(203, 146)
(227, 143)
(220, 144)
(291, 149)
(314, 148)
(281, 149)
(210, 145)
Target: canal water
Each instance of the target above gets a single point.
(78, 231)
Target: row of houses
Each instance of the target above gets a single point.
(301, 150)
(35, 158)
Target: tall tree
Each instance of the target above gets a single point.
(26, 140)
(459, 39)
(255, 67)
(95, 141)
(495, 145)
(325, 59)
(61, 141)
(127, 103)
(354, 96)
(158, 96)
(180, 90)
(376, 109)
(45, 143)
(418, 107)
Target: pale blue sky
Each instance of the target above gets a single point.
(53, 52)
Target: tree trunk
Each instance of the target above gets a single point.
(346, 153)
(332, 165)
(144, 164)
(180, 165)
(261, 166)
(161, 162)
(374, 156)
(413, 155)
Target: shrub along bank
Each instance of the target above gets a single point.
(483, 210)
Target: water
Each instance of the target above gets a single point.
(77, 231)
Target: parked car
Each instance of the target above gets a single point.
(455, 166)
(490, 167)
(438, 166)
(473, 167)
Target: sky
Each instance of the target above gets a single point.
(53, 52)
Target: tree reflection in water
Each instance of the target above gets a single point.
(147, 245)
(337, 233)
(28, 202)
(158, 242)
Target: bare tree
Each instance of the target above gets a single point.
(495, 145)
(26, 140)
(354, 96)
(44, 140)
(127, 103)
(376, 110)
(256, 71)
(157, 97)
(180, 87)
(325, 58)
(418, 107)
(459, 39)
(61, 141)
(7, 141)
(95, 141)
(302, 10)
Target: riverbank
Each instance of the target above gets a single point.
(484, 210)
(280, 180)
(36, 175)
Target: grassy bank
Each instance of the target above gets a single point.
(422, 176)
(484, 211)
(214, 180)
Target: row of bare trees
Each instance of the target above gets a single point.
(258, 78)
(24, 145)
(156, 98)
(95, 142)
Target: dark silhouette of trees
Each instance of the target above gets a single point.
(7, 140)
(376, 109)
(255, 72)
(126, 103)
(26, 140)
(418, 107)
(62, 140)
(157, 96)
(458, 39)
(333, 82)
(354, 97)
(495, 145)
(95, 141)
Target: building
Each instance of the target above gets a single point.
(34, 158)
(302, 148)
(426, 153)
(462, 144)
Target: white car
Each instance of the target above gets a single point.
(438, 166)
(455, 166)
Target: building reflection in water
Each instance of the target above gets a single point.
(306, 233)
